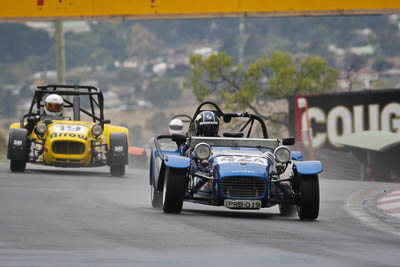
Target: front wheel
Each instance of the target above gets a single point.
(117, 170)
(17, 165)
(174, 190)
(117, 156)
(18, 149)
(308, 205)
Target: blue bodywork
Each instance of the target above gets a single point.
(243, 169)
(229, 163)
(296, 155)
(176, 161)
(309, 167)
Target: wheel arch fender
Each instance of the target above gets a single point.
(111, 129)
(178, 163)
(296, 155)
(308, 167)
(118, 149)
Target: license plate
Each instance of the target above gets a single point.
(242, 204)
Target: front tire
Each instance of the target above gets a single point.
(18, 149)
(17, 165)
(117, 170)
(308, 205)
(117, 157)
(174, 190)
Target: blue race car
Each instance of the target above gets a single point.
(236, 171)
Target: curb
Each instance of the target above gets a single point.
(363, 205)
(390, 203)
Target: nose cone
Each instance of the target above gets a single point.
(242, 169)
(67, 144)
(78, 133)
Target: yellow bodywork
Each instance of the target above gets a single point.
(77, 138)
(156, 9)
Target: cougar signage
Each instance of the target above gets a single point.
(335, 115)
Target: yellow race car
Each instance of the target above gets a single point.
(76, 136)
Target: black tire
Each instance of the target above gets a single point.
(18, 149)
(17, 165)
(287, 210)
(117, 170)
(173, 191)
(118, 160)
(308, 187)
(156, 198)
(151, 172)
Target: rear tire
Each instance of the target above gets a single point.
(308, 187)
(174, 190)
(17, 165)
(117, 170)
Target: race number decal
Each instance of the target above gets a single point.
(70, 129)
(242, 159)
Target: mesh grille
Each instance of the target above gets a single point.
(63, 147)
(243, 186)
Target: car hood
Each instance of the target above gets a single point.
(70, 131)
(241, 165)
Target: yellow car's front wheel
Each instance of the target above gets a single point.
(17, 165)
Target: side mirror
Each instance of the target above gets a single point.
(227, 118)
(106, 121)
(179, 139)
(289, 141)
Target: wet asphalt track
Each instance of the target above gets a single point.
(84, 217)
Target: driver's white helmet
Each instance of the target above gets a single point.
(175, 126)
(53, 105)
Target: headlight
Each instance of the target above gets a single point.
(202, 151)
(282, 154)
(97, 130)
(41, 128)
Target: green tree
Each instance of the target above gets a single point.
(128, 75)
(160, 92)
(353, 64)
(18, 42)
(112, 36)
(381, 64)
(136, 135)
(143, 43)
(254, 46)
(271, 77)
(13, 73)
(26, 91)
(3, 146)
(158, 123)
(8, 102)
